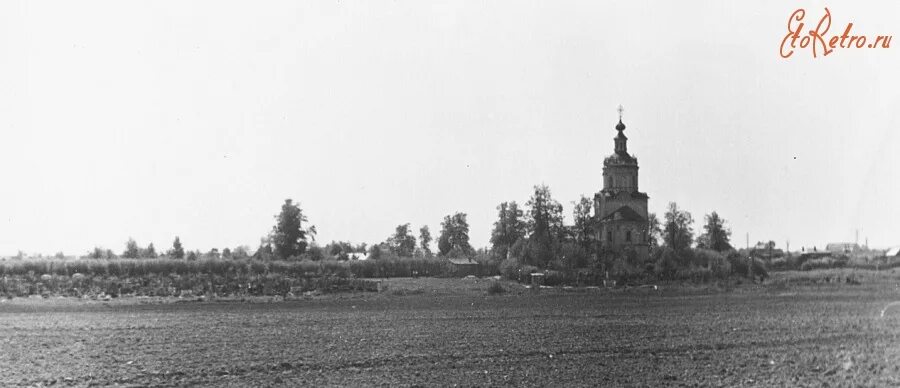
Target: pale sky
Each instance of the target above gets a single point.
(153, 119)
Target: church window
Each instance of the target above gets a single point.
(609, 237)
(628, 236)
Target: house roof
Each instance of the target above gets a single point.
(841, 246)
(623, 213)
(895, 251)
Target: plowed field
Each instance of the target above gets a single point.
(450, 332)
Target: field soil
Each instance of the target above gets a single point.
(446, 332)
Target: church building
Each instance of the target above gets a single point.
(620, 209)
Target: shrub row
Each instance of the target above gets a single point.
(804, 263)
(696, 266)
(135, 268)
(176, 285)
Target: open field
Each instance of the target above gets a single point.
(449, 331)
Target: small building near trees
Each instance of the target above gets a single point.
(842, 247)
(465, 266)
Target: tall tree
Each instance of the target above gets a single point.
(516, 226)
(241, 252)
(334, 248)
(100, 253)
(288, 235)
(716, 235)
(545, 218)
(375, 252)
(132, 250)
(583, 222)
(678, 232)
(313, 253)
(508, 229)
(654, 235)
(402, 243)
(177, 250)
(499, 242)
(454, 238)
(150, 252)
(425, 240)
(265, 251)
(545, 224)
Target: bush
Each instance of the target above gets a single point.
(666, 263)
(509, 269)
(694, 274)
(778, 264)
(624, 272)
(571, 256)
(558, 278)
(824, 263)
(496, 289)
(759, 269)
(719, 266)
(512, 269)
(877, 264)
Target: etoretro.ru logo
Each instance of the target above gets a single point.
(819, 41)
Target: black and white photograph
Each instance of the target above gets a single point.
(398, 193)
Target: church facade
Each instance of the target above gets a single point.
(621, 222)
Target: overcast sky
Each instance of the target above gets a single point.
(154, 119)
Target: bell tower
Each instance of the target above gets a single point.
(620, 209)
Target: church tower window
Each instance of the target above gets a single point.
(628, 236)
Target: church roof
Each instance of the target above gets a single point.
(624, 213)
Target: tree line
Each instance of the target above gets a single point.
(537, 237)
(534, 235)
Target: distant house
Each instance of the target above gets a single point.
(762, 246)
(892, 252)
(465, 266)
(842, 247)
(356, 256)
(766, 250)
